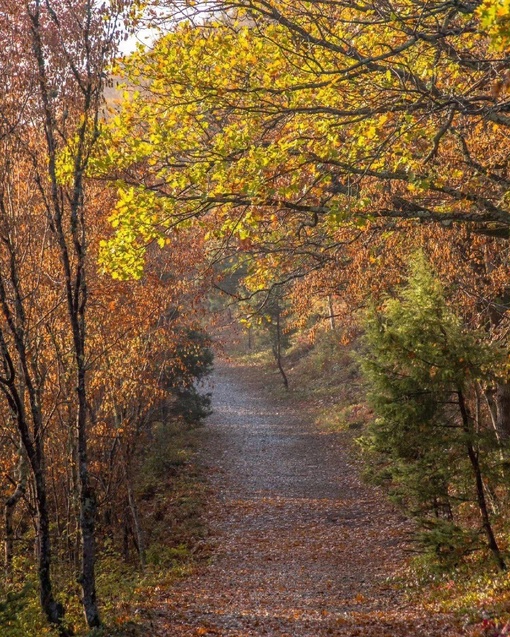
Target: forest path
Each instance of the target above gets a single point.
(303, 547)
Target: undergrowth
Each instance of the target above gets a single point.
(473, 591)
(171, 495)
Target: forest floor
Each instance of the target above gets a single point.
(301, 546)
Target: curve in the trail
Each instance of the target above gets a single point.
(303, 547)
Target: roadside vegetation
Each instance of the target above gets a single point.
(159, 537)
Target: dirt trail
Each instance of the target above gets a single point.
(303, 547)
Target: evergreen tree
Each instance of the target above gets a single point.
(423, 368)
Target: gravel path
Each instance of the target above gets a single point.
(303, 547)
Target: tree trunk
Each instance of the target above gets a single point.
(54, 611)
(134, 515)
(277, 350)
(331, 309)
(33, 445)
(480, 489)
(10, 506)
(502, 399)
(88, 512)
(65, 212)
(125, 537)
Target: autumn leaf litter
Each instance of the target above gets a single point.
(302, 547)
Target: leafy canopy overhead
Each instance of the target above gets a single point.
(282, 115)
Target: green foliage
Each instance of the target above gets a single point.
(17, 612)
(20, 612)
(418, 361)
(196, 363)
(446, 542)
(193, 142)
(168, 451)
(495, 18)
(167, 556)
(192, 405)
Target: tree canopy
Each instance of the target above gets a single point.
(272, 118)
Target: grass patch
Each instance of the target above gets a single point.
(474, 592)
